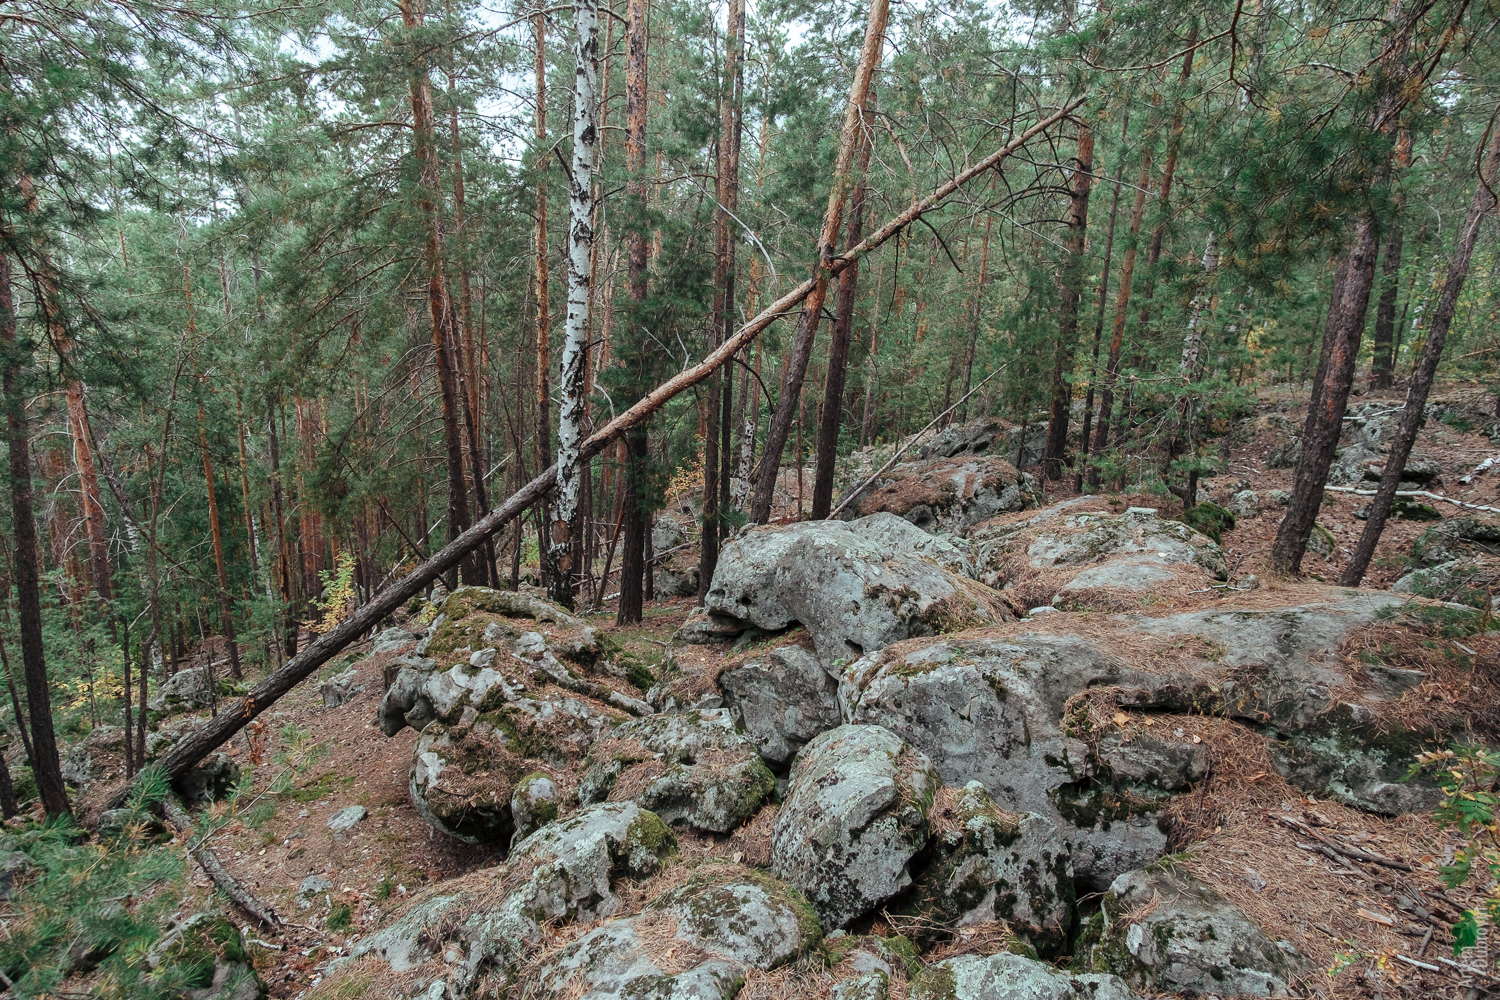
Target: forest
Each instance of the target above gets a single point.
(314, 315)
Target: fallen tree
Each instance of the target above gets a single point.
(213, 734)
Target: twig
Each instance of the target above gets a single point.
(1419, 965)
(850, 497)
(209, 862)
(1348, 852)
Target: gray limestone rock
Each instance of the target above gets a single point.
(854, 815)
(1164, 931)
(533, 804)
(346, 819)
(988, 864)
(704, 627)
(697, 941)
(854, 592)
(783, 699)
(461, 781)
(184, 691)
(1244, 504)
(341, 688)
(687, 767)
(1004, 976)
(946, 494)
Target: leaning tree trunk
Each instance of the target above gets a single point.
(563, 536)
(1325, 414)
(1067, 324)
(1421, 382)
(807, 324)
(843, 329)
(48, 767)
(633, 559)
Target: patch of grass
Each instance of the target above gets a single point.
(340, 919)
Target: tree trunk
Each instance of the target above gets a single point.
(1421, 382)
(47, 765)
(444, 338)
(721, 320)
(1072, 292)
(633, 559)
(976, 320)
(226, 606)
(563, 534)
(843, 329)
(791, 386)
(283, 564)
(1384, 362)
(543, 275)
(1109, 248)
(1325, 414)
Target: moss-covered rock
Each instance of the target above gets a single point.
(534, 803)
(206, 953)
(987, 864)
(855, 814)
(687, 767)
(1004, 976)
(461, 782)
(1164, 931)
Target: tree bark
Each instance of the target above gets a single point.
(812, 309)
(1320, 435)
(1117, 331)
(1421, 382)
(444, 338)
(721, 320)
(1109, 249)
(563, 534)
(47, 765)
(1072, 292)
(843, 329)
(1384, 362)
(202, 741)
(633, 560)
(226, 605)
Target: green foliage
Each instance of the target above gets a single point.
(340, 919)
(1468, 776)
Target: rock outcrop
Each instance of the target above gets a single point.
(783, 698)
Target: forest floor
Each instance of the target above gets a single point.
(1330, 910)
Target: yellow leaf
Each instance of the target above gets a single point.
(1121, 718)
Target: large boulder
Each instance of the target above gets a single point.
(783, 699)
(184, 691)
(992, 710)
(462, 779)
(687, 767)
(855, 587)
(854, 816)
(1071, 547)
(948, 494)
(565, 872)
(1164, 931)
(987, 864)
(1004, 976)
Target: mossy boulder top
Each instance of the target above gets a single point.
(1004, 976)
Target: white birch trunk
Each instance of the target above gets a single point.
(570, 383)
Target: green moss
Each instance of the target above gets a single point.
(1208, 518)
(647, 837)
(937, 983)
(640, 675)
(522, 736)
(902, 946)
(324, 785)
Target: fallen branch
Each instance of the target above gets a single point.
(209, 862)
(854, 494)
(1348, 852)
(1415, 493)
(195, 746)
